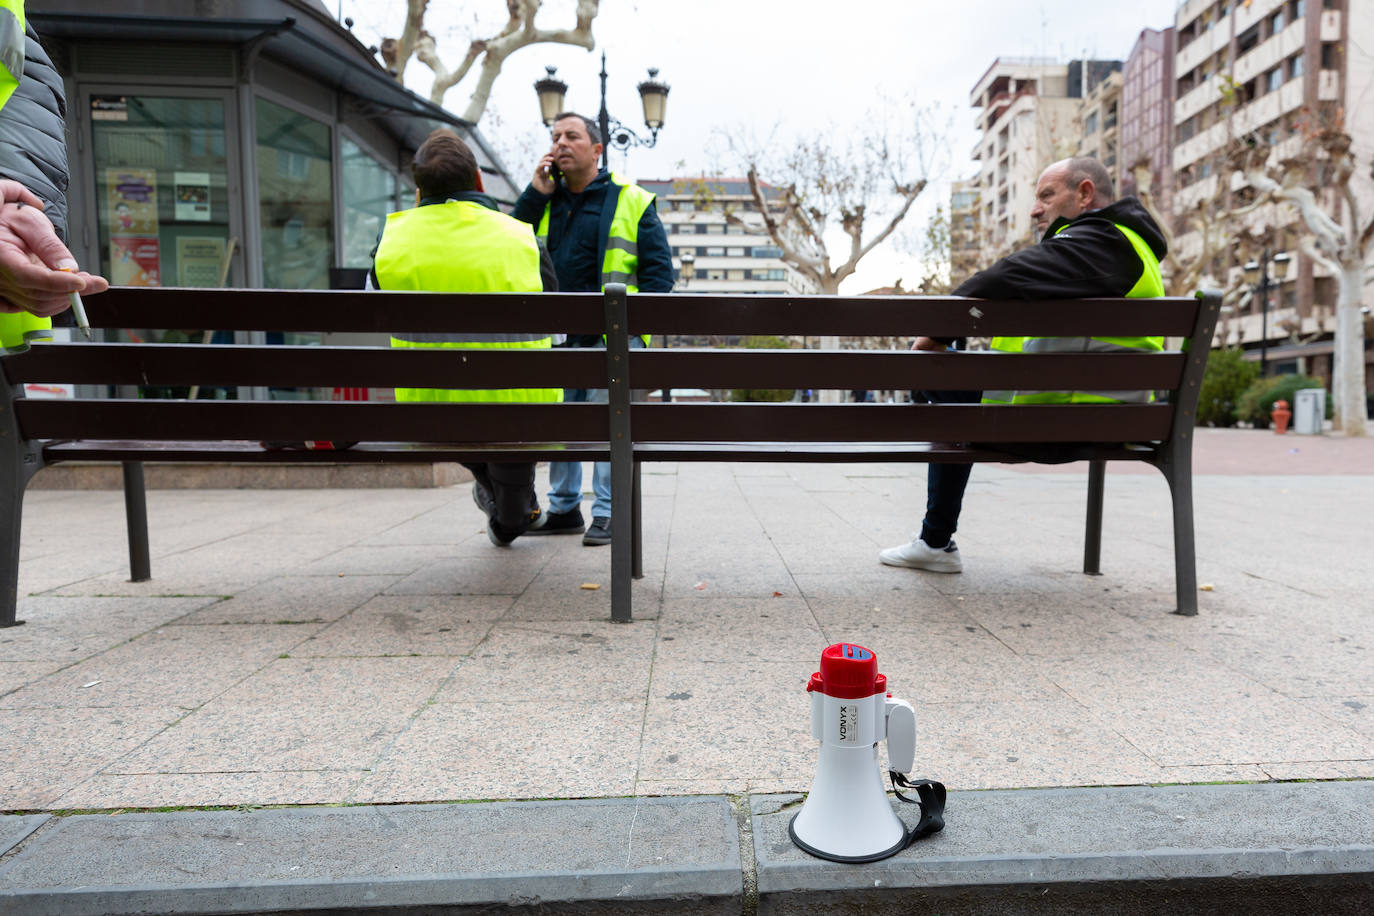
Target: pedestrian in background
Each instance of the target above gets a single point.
(599, 229)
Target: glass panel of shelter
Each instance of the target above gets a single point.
(163, 212)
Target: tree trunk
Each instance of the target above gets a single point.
(1348, 369)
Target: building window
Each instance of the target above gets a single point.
(772, 273)
(295, 198)
(1090, 124)
(1276, 23)
(715, 252)
(369, 194)
(766, 251)
(1248, 39)
(162, 199)
(1295, 66)
(735, 252)
(1274, 79)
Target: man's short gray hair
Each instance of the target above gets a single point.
(1086, 168)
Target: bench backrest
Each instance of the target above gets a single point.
(252, 368)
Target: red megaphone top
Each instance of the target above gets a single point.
(848, 672)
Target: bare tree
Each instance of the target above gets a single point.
(520, 30)
(1343, 244)
(853, 188)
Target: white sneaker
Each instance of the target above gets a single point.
(919, 555)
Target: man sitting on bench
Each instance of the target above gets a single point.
(1089, 247)
(455, 240)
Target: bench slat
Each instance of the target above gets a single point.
(907, 316)
(344, 310)
(364, 453)
(296, 366)
(650, 313)
(857, 423)
(899, 370)
(341, 421)
(935, 452)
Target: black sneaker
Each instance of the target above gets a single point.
(482, 497)
(495, 538)
(599, 533)
(569, 522)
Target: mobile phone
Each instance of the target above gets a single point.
(554, 173)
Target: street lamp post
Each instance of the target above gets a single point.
(1257, 272)
(653, 94)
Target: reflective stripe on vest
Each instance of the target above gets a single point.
(1149, 286)
(461, 246)
(11, 47)
(621, 262)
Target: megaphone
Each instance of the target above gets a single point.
(847, 816)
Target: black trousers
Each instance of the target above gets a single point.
(511, 486)
(945, 483)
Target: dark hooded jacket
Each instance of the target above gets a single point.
(1081, 258)
(33, 139)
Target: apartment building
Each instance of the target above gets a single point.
(1147, 115)
(965, 245)
(1264, 69)
(1029, 117)
(1100, 117)
(725, 258)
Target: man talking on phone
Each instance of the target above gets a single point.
(599, 229)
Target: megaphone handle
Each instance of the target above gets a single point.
(930, 798)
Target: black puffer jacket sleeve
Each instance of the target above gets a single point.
(1088, 259)
(33, 133)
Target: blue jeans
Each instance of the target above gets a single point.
(565, 477)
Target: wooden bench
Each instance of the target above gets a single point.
(132, 430)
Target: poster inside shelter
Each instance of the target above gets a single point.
(200, 260)
(192, 192)
(133, 222)
(134, 261)
(132, 201)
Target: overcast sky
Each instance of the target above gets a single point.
(799, 66)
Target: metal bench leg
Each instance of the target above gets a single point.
(622, 450)
(1178, 471)
(1092, 541)
(136, 518)
(18, 463)
(638, 526)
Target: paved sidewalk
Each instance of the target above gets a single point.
(333, 647)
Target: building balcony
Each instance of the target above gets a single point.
(1331, 25)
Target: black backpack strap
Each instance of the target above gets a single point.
(930, 796)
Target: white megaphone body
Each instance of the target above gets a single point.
(847, 816)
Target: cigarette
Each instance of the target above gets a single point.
(78, 309)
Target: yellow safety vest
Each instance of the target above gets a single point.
(11, 47)
(462, 246)
(621, 263)
(1149, 286)
(16, 328)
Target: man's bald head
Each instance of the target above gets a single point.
(1068, 188)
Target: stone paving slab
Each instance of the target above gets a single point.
(1154, 849)
(15, 828)
(670, 854)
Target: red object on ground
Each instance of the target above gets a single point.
(1281, 415)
